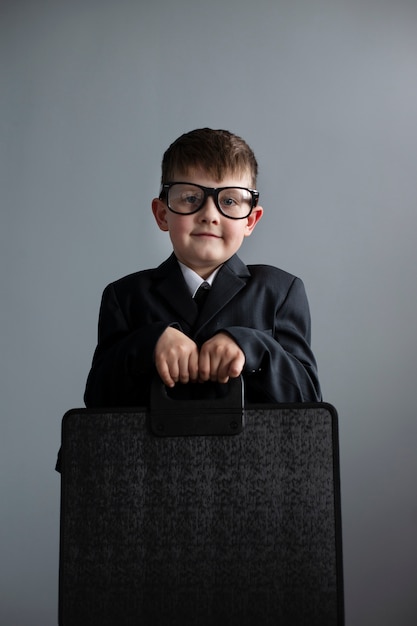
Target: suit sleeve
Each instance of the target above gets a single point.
(279, 363)
(122, 365)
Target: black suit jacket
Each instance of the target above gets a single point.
(263, 308)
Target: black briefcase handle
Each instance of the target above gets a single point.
(221, 415)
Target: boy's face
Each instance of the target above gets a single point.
(206, 239)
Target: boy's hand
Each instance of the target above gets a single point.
(220, 359)
(176, 357)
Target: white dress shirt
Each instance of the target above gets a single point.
(194, 281)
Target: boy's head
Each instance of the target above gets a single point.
(217, 152)
(208, 203)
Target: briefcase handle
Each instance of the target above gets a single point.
(223, 415)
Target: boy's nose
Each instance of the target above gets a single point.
(209, 211)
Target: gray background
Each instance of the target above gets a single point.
(325, 91)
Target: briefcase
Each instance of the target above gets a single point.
(201, 513)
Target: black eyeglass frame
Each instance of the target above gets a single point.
(208, 191)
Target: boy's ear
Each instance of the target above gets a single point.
(159, 211)
(253, 219)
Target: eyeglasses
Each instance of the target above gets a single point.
(235, 203)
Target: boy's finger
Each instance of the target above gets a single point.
(236, 366)
(193, 366)
(204, 366)
(222, 373)
(165, 376)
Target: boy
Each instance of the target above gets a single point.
(254, 321)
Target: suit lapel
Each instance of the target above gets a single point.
(171, 287)
(232, 277)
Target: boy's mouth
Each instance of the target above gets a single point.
(206, 234)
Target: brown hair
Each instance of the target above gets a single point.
(218, 152)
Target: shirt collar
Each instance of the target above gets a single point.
(193, 280)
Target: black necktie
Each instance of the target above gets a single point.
(201, 295)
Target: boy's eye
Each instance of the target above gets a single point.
(229, 201)
(191, 199)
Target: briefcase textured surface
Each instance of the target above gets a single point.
(235, 529)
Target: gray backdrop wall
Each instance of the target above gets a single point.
(325, 91)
